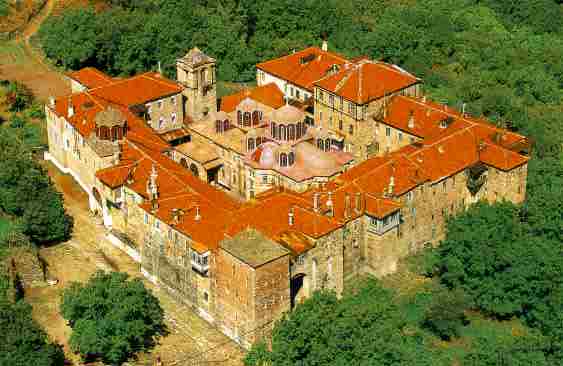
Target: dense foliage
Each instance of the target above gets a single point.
(111, 316)
(362, 328)
(4, 7)
(23, 342)
(27, 193)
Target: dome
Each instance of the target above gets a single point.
(247, 105)
(287, 113)
(310, 156)
(267, 156)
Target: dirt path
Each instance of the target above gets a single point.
(21, 62)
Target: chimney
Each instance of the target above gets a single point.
(330, 205)
(358, 205)
(152, 189)
(197, 214)
(324, 45)
(316, 201)
(291, 217)
(391, 185)
(347, 206)
(70, 111)
(175, 216)
(52, 102)
(411, 119)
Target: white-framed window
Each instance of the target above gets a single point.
(387, 131)
(161, 122)
(146, 218)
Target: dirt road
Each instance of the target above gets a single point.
(21, 62)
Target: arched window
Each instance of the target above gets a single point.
(304, 129)
(184, 163)
(255, 118)
(246, 119)
(291, 158)
(194, 170)
(327, 144)
(250, 144)
(258, 141)
(283, 159)
(161, 122)
(103, 133)
(114, 133)
(283, 135)
(225, 125)
(239, 118)
(218, 126)
(273, 129)
(291, 132)
(298, 130)
(320, 144)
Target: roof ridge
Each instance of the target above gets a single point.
(160, 81)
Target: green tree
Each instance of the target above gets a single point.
(445, 315)
(23, 342)
(112, 317)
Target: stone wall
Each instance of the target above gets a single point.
(166, 113)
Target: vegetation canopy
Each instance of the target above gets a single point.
(112, 317)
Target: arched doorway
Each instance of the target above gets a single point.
(299, 289)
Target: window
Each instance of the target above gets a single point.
(170, 234)
(159, 104)
(297, 94)
(146, 219)
(205, 296)
(291, 90)
(351, 129)
(300, 260)
(331, 100)
(387, 131)
(322, 98)
(340, 125)
(173, 99)
(161, 122)
(173, 118)
(264, 179)
(444, 186)
(410, 196)
(330, 121)
(400, 136)
(239, 118)
(246, 119)
(157, 224)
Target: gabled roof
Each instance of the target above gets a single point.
(365, 81)
(268, 94)
(138, 89)
(91, 77)
(304, 67)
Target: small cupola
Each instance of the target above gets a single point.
(111, 124)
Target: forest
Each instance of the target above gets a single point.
(492, 296)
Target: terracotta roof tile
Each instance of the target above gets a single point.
(365, 81)
(91, 77)
(268, 94)
(138, 89)
(293, 67)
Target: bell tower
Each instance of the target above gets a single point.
(196, 72)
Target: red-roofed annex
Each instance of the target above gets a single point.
(329, 168)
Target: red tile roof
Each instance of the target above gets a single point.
(138, 89)
(365, 81)
(304, 67)
(91, 77)
(268, 94)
